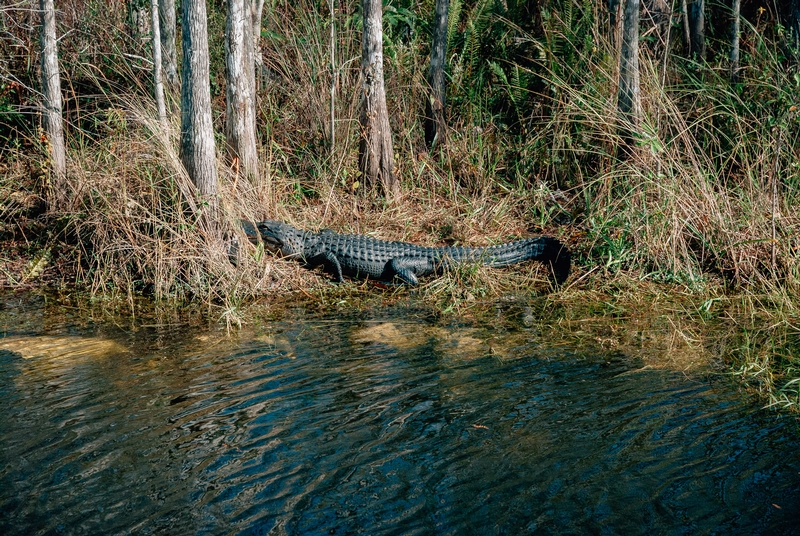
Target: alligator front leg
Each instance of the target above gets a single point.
(329, 262)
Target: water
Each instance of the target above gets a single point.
(376, 424)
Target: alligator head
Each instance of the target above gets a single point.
(277, 236)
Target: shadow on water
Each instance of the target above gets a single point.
(382, 424)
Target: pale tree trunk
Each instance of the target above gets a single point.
(258, 13)
(197, 133)
(629, 98)
(737, 8)
(376, 155)
(697, 30)
(158, 86)
(51, 91)
(240, 122)
(169, 58)
(794, 25)
(435, 107)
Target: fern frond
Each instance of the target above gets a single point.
(516, 86)
(477, 23)
(453, 19)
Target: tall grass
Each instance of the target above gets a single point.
(711, 187)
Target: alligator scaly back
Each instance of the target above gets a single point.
(381, 260)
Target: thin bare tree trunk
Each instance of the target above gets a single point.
(737, 8)
(167, 24)
(376, 155)
(687, 34)
(51, 89)
(197, 132)
(258, 13)
(333, 78)
(240, 123)
(158, 86)
(435, 107)
(615, 22)
(629, 98)
(697, 30)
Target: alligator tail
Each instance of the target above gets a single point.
(545, 249)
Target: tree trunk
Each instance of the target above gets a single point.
(332, 108)
(687, 34)
(629, 98)
(794, 25)
(197, 133)
(435, 122)
(240, 122)
(614, 22)
(158, 86)
(376, 155)
(258, 13)
(737, 5)
(697, 30)
(51, 91)
(167, 23)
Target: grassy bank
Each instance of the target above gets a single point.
(701, 217)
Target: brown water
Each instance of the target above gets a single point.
(379, 423)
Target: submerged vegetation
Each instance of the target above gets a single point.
(703, 209)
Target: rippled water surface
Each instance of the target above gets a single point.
(380, 424)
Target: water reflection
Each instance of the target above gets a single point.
(378, 426)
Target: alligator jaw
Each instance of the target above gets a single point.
(265, 233)
(250, 231)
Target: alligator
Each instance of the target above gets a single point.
(390, 262)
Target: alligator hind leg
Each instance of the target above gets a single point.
(407, 268)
